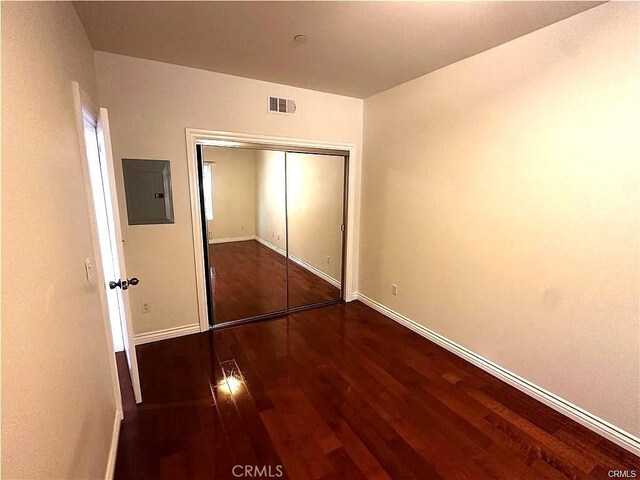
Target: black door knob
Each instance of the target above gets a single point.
(120, 283)
(124, 284)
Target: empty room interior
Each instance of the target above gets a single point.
(320, 240)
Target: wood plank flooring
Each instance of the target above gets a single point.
(249, 279)
(341, 392)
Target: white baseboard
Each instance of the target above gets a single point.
(231, 239)
(113, 450)
(299, 261)
(618, 436)
(165, 334)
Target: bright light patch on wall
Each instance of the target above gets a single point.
(295, 185)
(207, 188)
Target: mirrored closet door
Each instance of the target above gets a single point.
(273, 230)
(315, 211)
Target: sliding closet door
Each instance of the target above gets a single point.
(246, 230)
(315, 218)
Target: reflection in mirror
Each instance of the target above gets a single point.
(245, 223)
(315, 211)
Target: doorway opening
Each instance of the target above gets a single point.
(93, 128)
(273, 222)
(106, 241)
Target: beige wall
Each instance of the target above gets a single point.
(270, 198)
(501, 194)
(233, 181)
(57, 400)
(315, 210)
(150, 105)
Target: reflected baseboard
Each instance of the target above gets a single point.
(270, 245)
(317, 272)
(231, 239)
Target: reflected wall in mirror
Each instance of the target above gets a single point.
(247, 278)
(315, 214)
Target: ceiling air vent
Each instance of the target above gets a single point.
(282, 105)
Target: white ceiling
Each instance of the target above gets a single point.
(353, 48)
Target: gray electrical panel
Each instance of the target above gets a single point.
(147, 185)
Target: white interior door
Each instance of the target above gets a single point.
(120, 282)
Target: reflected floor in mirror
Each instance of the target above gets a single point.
(249, 279)
(340, 392)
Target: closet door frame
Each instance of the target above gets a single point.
(352, 164)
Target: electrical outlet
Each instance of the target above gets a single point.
(394, 289)
(278, 236)
(146, 308)
(328, 259)
(210, 235)
(241, 227)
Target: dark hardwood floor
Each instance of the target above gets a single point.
(340, 392)
(249, 279)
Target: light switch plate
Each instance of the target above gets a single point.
(87, 268)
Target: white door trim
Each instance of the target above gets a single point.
(220, 139)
